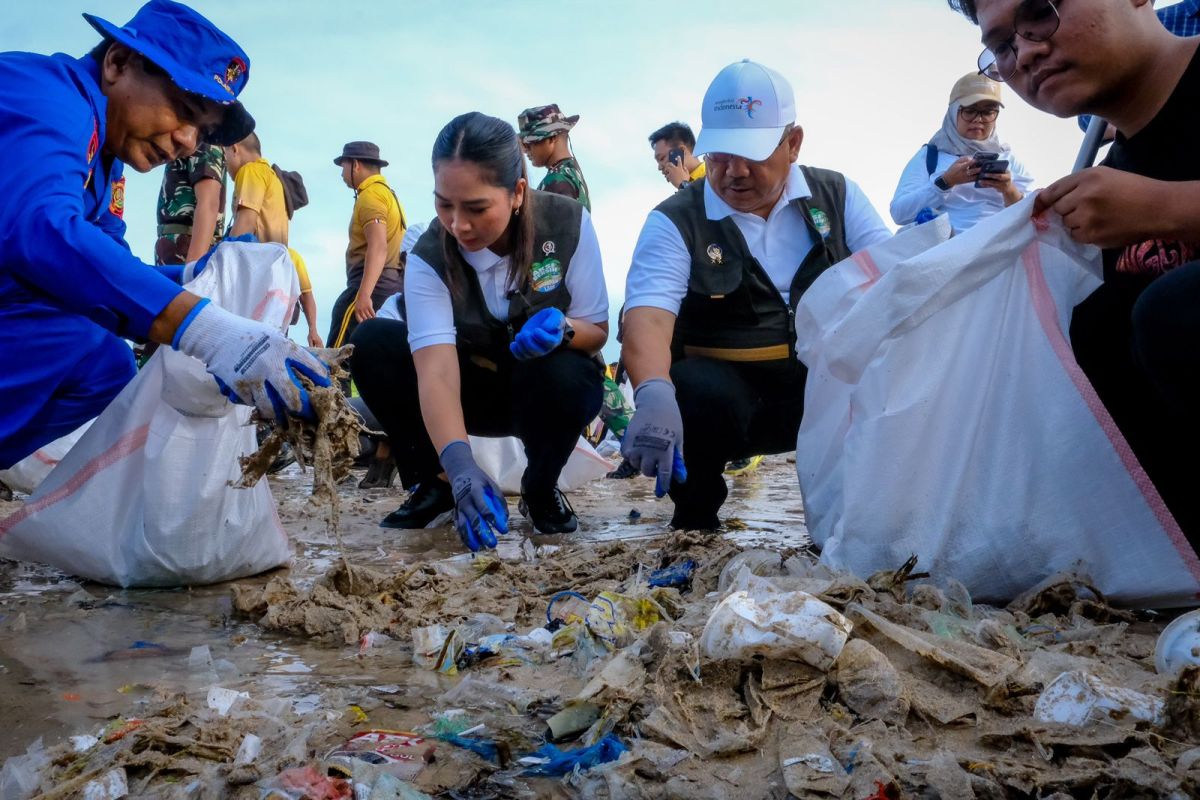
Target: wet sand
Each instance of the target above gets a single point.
(69, 653)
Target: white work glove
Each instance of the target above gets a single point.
(253, 363)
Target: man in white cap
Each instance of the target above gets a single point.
(711, 294)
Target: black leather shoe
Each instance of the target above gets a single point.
(282, 461)
(430, 498)
(689, 519)
(695, 522)
(624, 471)
(381, 474)
(549, 512)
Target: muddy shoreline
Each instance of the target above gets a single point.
(932, 695)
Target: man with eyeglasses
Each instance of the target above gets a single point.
(69, 287)
(717, 273)
(1137, 337)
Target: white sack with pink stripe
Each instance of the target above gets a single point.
(144, 498)
(946, 417)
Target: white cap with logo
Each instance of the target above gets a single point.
(746, 108)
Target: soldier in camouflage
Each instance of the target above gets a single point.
(545, 136)
(191, 206)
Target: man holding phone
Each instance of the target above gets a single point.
(673, 144)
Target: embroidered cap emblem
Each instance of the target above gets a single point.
(715, 255)
(233, 72)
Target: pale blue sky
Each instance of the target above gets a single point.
(871, 79)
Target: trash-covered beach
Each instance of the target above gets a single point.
(626, 661)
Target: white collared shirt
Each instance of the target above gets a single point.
(658, 277)
(430, 311)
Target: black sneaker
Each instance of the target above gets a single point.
(550, 513)
(431, 498)
(623, 472)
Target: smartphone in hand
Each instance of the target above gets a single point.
(675, 156)
(988, 167)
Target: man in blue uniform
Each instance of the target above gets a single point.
(70, 288)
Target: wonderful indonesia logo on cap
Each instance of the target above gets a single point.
(746, 110)
(749, 103)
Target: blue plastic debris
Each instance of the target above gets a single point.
(481, 747)
(562, 762)
(675, 575)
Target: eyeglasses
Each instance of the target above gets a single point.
(1034, 21)
(983, 114)
(725, 158)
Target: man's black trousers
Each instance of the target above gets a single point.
(343, 322)
(1137, 338)
(730, 410)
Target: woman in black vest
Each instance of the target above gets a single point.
(505, 307)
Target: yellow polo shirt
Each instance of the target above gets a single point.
(375, 202)
(301, 271)
(699, 172)
(258, 188)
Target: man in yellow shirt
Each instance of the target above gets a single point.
(373, 272)
(259, 206)
(673, 144)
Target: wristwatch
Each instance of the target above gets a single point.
(683, 185)
(940, 182)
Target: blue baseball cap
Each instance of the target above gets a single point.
(196, 54)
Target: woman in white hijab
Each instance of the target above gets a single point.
(947, 175)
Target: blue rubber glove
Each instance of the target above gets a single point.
(253, 363)
(653, 441)
(479, 508)
(678, 474)
(541, 334)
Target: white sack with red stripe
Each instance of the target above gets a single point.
(504, 459)
(946, 417)
(143, 499)
(28, 473)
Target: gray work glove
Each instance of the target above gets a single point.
(479, 507)
(653, 441)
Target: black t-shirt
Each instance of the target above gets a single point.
(1165, 440)
(1164, 150)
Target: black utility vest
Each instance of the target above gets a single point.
(556, 236)
(732, 310)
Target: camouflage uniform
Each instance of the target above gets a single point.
(566, 178)
(177, 202)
